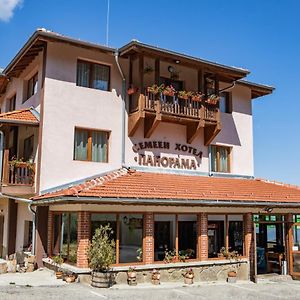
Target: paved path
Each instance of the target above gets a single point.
(240, 291)
(43, 285)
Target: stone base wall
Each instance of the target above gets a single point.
(208, 272)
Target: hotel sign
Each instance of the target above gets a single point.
(167, 160)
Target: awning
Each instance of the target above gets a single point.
(27, 116)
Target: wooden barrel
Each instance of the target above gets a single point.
(101, 280)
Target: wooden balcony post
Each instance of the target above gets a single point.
(5, 169)
(200, 81)
(157, 71)
(141, 72)
(217, 85)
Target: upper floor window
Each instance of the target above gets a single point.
(220, 159)
(225, 102)
(32, 85)
(11, 104)
(93, 75)
(91, 145)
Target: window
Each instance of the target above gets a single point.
(65, 236)
(91, 145)
(227, 232)
(11, 104)
(28, 148)
(93, 75)
(32, 85)
(169, 228)
(225, 103)
(27, 242)
(220, 159)
(128, 232)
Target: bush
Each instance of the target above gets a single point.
(102, 249)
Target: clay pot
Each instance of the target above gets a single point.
(70, 278)
(59, 274)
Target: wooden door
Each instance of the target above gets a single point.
(1, 234)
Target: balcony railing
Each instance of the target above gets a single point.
(174, 106)
(20, 173)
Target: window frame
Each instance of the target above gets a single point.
(9, 107)
(31, 92)
(228, 102)
(92, 72)
(229, 160)
(90, 142)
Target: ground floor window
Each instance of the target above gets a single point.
(128, 233)
(175, 237)
(225, 232)
(65, 236)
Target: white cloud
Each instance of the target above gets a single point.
(7, 8)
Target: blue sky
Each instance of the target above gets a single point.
(262, 36)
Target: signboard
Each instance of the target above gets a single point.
(175, 156)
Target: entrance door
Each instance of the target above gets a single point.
(295, 249)
(215, 238)
(270, 244)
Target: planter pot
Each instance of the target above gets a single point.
(170, 94)
(132, 91)
(231, 277)
(70, 278)
(196, 98)
(131, 278)
(59, 275)
(188, 280)
(155, 281)
(101, 279)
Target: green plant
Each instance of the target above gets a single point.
(101, 252)
(188, 272)
(213, 99)
(232, 255)
(169, 90)
(58, 260)
(155, 89)
(148, 70)
(170, 256)
(184, 95)
(139, 254)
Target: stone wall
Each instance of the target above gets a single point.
(204, 271)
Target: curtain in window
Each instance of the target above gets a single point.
(101, 77)
(214, 159)
(80, 145)
(83, 74)
(223, 159)
(99, 146)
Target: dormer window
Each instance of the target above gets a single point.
(91, 75)
(32, 86)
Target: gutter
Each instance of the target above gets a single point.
(204, 202)
(116, 54)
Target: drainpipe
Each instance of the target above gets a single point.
(123, 95)
(229, 87)
(1, 154)
(209, 161)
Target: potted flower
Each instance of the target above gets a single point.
(58, 260)
(170, 256)
(155, 89)
(197, 96)
(213, 99)
(231, 276)
(101, 255)
(155, 277)
(189, 276)
(169, 91)
(184, 95)
(131, 276)
(132, 90)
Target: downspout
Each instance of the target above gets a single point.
(209, 161)
(123, 95)
(1, 154)
(229, 87)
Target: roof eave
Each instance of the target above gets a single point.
(257, 90)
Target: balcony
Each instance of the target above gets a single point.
(18, 177)
(153, 108)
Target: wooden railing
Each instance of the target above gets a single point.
(177, 107)
(20, 173)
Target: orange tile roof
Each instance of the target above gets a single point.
(26, 116)
(146, 185)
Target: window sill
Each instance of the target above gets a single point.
(90, 161)
(91, 88)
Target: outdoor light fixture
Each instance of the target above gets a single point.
(177, 61)
(171, 69)
(268, 209)
(125, 220)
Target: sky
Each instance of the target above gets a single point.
(262, 36)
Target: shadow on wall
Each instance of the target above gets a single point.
(228, 133)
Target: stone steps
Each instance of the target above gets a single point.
(273, 278)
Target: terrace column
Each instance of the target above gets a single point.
(249, 242)
(149, 238)
(83, 238)
(41, 234)
(50, 234)
(202, 236)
